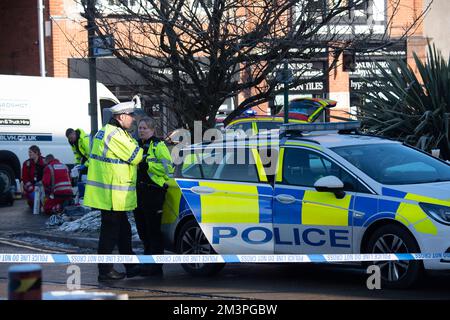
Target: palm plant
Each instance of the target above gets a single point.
(413, 108)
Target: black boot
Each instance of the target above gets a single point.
(111, 275)
(152, 271)
(133, 271)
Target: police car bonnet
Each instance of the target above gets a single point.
(124, 107)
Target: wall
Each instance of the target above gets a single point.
(437, 25)
(19, 51)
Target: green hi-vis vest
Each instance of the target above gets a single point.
(81, 148)
(111, 180)
(159, 162)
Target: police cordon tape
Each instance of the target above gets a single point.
(227, 258)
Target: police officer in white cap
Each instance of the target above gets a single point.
(111, 186)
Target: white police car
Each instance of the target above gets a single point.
(319, 192)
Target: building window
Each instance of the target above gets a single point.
(355, 11)
(128, 3)
(122, 7)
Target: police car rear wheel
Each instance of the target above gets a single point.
(191, 240)
(394, 239)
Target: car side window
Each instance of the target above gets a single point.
(221, 164)
(241, 126)
(268, 125)
(303, 167)
(191, 166)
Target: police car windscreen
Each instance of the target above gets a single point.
(393, 163)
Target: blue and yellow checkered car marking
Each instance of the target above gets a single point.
(172, 201)
(230, 203)
(324, 209)
(410, 213)
(218, 207)
(190, 197)
(234, 202)
(313, 208)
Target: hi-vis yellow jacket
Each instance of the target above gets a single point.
(81, 148)
(159, 162)
(111, 180)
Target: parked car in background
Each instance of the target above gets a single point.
(252, 123)
(309, 109)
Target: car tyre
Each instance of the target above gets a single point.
(191, 240)
(395, 239)
(6, 185)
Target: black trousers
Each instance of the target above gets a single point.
(148, 215)
(115, 231)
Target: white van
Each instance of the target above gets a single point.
(37, 111)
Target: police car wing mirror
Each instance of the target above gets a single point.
(330, 184)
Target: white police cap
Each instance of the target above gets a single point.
(123, 107)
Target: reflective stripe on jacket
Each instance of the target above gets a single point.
(111, 180)
(159, 162)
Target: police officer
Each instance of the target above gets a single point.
(153, 173)
(79, 141)
(111, 186)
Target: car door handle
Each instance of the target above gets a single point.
(202, 190)
(285, 198)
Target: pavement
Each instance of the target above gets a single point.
(19, 223)
(236, 281)
(20, 218)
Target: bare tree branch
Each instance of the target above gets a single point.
(194, 54)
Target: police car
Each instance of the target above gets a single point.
(301, 110)
(310, 109)
(253, 124)
(311, 191)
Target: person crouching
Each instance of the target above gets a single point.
(57, 186)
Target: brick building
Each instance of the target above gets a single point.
(65, 45)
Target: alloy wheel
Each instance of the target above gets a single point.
(194, 241)
(391, 271)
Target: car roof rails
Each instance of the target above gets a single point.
(298, 129)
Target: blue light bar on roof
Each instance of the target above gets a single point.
(329, 126)
(250, 112)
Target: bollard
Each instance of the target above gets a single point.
(25, 282)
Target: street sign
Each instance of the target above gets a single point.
(103, 46)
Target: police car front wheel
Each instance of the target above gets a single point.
(191, 240)
(394, 239)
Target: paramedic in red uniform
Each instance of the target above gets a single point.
(32, 170)
(57, 185)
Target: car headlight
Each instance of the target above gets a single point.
(437, 212)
